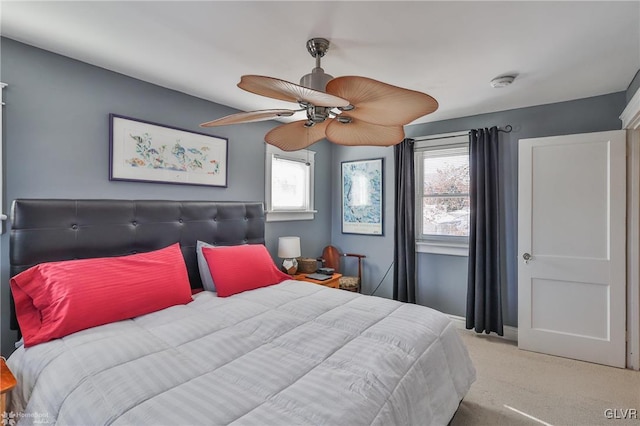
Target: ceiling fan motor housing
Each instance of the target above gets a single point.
(317, 79)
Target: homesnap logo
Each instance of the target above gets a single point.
(10, 418)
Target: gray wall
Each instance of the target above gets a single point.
(442, 279)
(56, 141)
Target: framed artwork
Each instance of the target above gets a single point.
(150, 152)
(362, 196)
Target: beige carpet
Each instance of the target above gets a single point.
(557, 391)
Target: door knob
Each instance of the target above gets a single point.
(527, 257)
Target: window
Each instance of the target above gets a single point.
(289, 184)
(442, 194)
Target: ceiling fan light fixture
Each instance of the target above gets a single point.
(317, 114)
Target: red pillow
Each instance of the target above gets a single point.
(59, 298)
(235, 269)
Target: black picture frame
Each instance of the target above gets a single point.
(144, 151)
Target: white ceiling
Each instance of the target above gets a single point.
(560, 50)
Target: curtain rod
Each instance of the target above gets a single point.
(507, 129)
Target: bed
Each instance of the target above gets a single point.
(292, 353)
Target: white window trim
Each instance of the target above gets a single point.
(439, 245)
(289, 215)
(449, 249)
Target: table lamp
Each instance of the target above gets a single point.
(289, 249)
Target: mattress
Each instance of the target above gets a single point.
(294, 353)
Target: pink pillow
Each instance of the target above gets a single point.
(240, 268)
(56, 299)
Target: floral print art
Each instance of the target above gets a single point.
(175, 157)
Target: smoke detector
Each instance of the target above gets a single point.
(502, 81)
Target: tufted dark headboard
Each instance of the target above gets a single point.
(50, 230)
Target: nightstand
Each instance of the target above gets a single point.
(333, 282)
(7, 382)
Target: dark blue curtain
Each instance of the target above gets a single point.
(404, 240)
(484, 293)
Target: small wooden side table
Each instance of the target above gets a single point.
(7, 382)
(333, 282)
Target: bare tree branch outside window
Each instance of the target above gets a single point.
(445, 203)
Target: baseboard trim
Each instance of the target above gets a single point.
(510, 333)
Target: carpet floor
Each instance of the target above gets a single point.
(516, 387)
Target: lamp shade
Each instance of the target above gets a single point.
(288, 247)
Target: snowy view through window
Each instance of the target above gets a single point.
(445, 203)
(290, 183)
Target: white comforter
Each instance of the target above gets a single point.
(290, 354)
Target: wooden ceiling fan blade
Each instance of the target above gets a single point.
(359, 132)
(295, 136)
(249, 117)
(287, 91)
(381, 103)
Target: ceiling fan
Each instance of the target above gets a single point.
(346, 110)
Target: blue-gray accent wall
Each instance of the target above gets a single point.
(56, 142)
(442, 279)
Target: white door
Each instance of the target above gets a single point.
(571, 227)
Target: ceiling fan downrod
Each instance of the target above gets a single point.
(317, 79)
